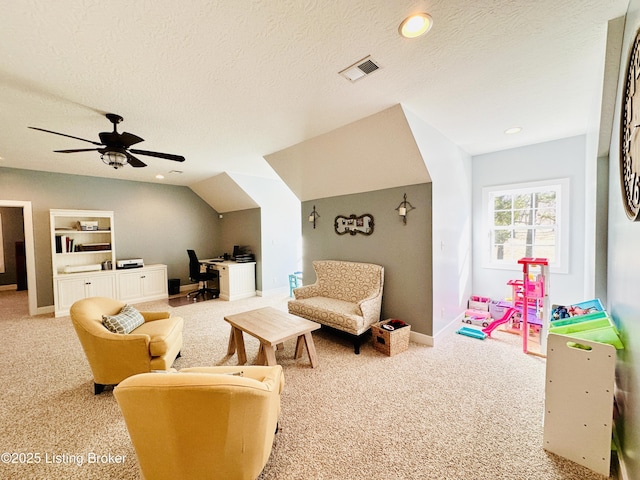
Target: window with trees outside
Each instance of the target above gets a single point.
(528, 220)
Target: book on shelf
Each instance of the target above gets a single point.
(64, 244)
(93, 247)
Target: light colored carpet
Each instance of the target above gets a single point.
(464, 409)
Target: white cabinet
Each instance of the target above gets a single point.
(83, 259)
(143, 284)
(73, 287)
(237, 280)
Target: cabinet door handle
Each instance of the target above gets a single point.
(87, 283)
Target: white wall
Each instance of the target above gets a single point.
(281, 230)
(624, 283)
(557, 159)
(450, 171)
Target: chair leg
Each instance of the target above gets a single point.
(357, 341)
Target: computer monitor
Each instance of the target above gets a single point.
(237, 250)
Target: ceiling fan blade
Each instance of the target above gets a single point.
(65, 135)
(119, 140)
(78, 150)
(135, 162)
(129, 139)
(166, 156)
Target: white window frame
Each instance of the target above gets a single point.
(561, 185)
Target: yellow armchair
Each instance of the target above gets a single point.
(154, 345)
(202, 423)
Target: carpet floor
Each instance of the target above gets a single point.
(464, 409)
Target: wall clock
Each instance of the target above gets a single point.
(630, 135)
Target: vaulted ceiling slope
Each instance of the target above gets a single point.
(374, 153)
(224, 194)
(226, 83)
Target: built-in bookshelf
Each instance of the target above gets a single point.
(83, 259)
(82, 241)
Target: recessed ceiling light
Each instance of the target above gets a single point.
(415, 25)
(512, 130)
(160, 176)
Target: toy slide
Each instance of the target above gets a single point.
(496, 323)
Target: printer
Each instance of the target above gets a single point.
(130, 263)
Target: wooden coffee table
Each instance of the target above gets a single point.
(272, 327)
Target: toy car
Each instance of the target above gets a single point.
(477, 320)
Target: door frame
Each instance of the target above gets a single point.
(29, 246)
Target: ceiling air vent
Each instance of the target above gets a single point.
(360, 69)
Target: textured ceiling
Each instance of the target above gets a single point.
(225, 83)
(383, 144)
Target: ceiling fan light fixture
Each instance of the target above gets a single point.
(415, 25)
(114, 159)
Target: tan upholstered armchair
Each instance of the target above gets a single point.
(154, 345)
(203, 422)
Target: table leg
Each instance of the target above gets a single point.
(242, 354)
(270, 353)
(299, 347)
(231, 348)
(311, 349)
(261, 358)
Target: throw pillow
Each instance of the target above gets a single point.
(124, 322)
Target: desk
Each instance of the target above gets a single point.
(237, 280)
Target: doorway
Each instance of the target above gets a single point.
(29, 250)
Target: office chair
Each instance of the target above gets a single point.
(196, 275)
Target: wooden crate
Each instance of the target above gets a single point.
(390, 342)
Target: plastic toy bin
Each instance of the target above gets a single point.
(600, 330)
(578, 319)
(390, 342)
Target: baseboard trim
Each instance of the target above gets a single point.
(45, 310)
(188, 288)
(451, 326)
(430, 340)
(273, 291)
(11, 286)
(421, 339)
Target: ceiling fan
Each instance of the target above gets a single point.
(114, 146)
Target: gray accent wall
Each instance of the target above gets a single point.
(404, 251)
(243, 228)
(155, 222)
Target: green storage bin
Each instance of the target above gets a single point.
(580, 326)
(582, 318)
(607, 335)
